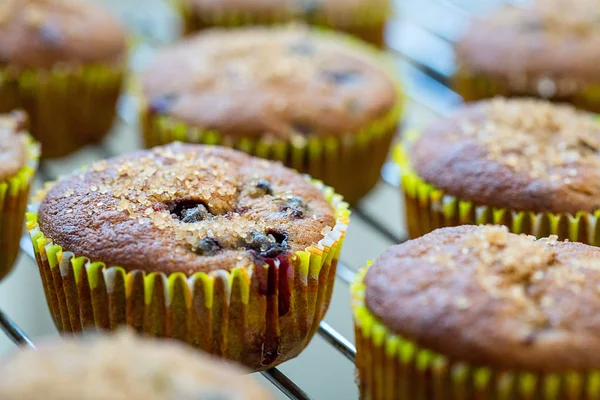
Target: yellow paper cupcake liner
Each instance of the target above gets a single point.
(428, 208)
(366, 22)
(350, 163)
(473, 87)
(14, 193)
(68, 106)
(258, 316)
(391, 367)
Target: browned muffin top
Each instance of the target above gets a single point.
(554, 39)
(43, 33)
(489, 297)
(122, 368)
(185, 208)
(13, 143)
(287, 82)
(520, 154)
(341, 11)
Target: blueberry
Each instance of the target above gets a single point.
(302, 48)
(50, 34)
(341, 77)
(294, 206)
(264, 186)
(302, 127)
(162, 104)
(190, 211)
(269, 245)
(207, 247)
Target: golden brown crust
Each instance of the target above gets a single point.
(489, 297)
(13, 143)
(549, 49)
(41, 34)
(186, 208)
(519, 154)
(288, 83)
(347, 12)
(122, 368)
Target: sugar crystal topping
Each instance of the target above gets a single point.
(538, 138)
(207, 200)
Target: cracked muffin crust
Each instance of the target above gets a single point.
(281, 83)
(519, 154)
(122, 367)
(482, 295)
(185, 208)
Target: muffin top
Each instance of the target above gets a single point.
(13, 143)
(185, 208)
(341, 11)
(554, 39)
(43, 33)
(505, 300)
(287, 82)
(519, 154)
(122, 367)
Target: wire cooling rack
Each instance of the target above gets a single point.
(420, 36)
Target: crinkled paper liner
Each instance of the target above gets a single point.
(259, 316)
(367, 23)
(473, 86)
(428, 208)
(391, 367)
(14, 193)
(350, 163)
(68, 106)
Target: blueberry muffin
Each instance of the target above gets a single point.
(365, 19)
(548, 49)
(233, 254)
(480, 313)
(122, 367)
(310, 99)
(62, 61)
(528, 164)
(18, 160)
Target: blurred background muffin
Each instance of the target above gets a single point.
(233, 254)
(122, 367)
(481, 312)
(18, 161)
(320, 103)
(529, 164)
(548, 49)
(365, 19)
(63, 62)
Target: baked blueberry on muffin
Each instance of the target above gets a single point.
(231, 253)
(122, 368)
(476, 312)
(310, 99)
(18, 160)
(548, 49)
(365, 19)
(528, 164)
(62, 61)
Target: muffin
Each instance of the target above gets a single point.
(528, 164)
(549, 49)
(476, 312)
(18, 160)
(122, 367)
(365, 19)
(233, 254)
(315, 101)
(62, 61)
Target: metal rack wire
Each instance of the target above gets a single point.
(420, 36)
